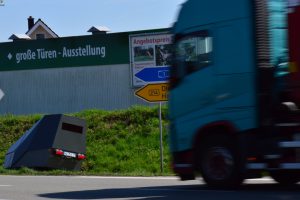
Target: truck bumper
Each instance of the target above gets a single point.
(183, 164)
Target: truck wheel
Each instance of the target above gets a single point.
(219, 163)
(285, 178)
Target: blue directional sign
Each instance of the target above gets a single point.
(154, 74)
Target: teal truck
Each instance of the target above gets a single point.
(235, 91)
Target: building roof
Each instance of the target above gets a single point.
(38, 23)
(19, 36)
(98, 29)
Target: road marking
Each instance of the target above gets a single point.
(259, 180)
(264, 179)
(5, 186)
(129, 177)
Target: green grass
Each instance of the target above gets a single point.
(124, 142)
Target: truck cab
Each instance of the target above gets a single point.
(232, 105)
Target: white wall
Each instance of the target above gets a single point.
(66, 90)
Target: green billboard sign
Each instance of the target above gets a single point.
(91, 50)
(65, 52)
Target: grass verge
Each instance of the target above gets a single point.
(123, 142)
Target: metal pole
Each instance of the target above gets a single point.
(161, 139)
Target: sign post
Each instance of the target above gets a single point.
(161, 140)
(156, 93)
(154, 74)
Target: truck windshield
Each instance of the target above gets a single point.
(193, 52)
(278, 36)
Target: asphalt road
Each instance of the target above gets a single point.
(158, 188)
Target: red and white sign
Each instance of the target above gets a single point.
(149, 51)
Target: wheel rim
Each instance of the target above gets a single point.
(218, 163)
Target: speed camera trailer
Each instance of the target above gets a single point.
(54, 142)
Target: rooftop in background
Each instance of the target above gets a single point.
(19, 37)
(36, 30)
(98, 30)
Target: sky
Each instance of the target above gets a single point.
(75, 17)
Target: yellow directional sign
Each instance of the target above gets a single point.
(154, 92)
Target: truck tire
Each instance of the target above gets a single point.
(286, 178)
(219, 162)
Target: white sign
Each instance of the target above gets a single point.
(42, 54)
(150, 54)
(69, 154)
(1, 94)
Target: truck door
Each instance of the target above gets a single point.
(193, 73)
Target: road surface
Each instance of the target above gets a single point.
(134, 188)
